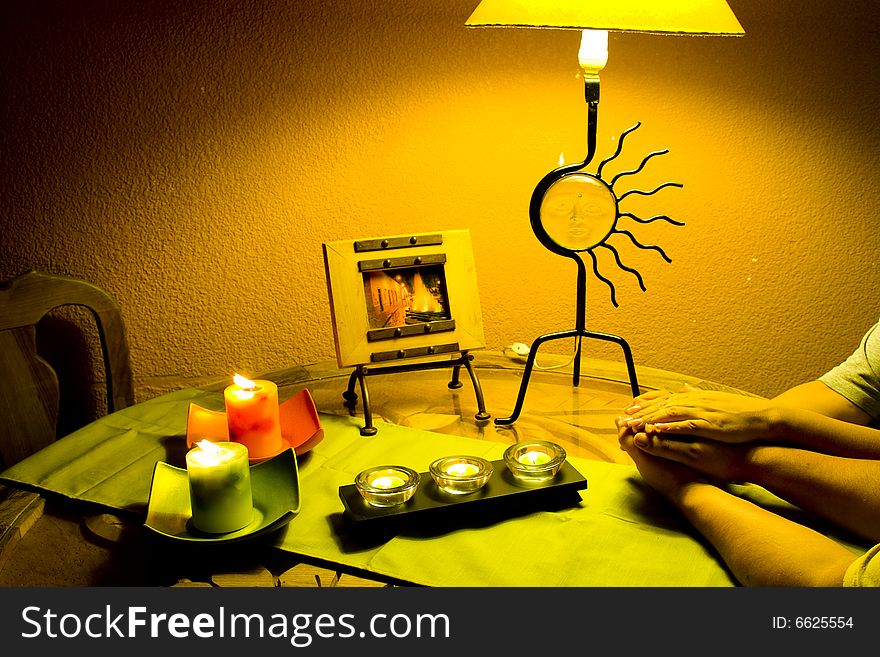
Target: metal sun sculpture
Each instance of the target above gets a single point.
(574, 211)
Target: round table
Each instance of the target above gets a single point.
(92, 548)
(580, 418)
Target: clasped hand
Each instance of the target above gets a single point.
(722, 416)
(708, 432)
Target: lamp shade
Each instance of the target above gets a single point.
(654, 16)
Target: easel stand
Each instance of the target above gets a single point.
(361, 373)
(578, 332)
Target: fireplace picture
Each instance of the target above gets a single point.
(403, 297)
(413, 295)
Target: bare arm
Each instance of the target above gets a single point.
(815, 417)
(760, 547)
(841, 490)
(821, 433)
(817, 397)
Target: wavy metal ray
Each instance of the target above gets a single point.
(647, 247)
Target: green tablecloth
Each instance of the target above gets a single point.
(621, 534)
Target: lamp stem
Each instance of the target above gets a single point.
(592, 57)
(591, 95)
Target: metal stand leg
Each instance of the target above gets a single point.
(361, 372)
(576, 333)
(350, 397)
(481, 415)
(454, 382)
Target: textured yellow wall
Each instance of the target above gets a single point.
(191, 157)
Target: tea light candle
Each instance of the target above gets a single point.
(253, 416)
(219, 486)
(534, 461)
(533, 457)
(387, 482)
(461, 474)
(387, 485)
(461, 469)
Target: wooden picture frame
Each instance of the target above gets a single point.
(403, 297)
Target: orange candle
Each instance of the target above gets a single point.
(253, 416)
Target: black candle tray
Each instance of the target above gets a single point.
(502, 495)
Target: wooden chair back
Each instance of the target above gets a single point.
(29, 389)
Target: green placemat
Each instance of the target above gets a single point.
(110, 461)
(621, 534)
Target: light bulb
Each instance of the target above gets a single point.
(593, 53)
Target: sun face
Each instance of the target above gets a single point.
(579, 211)
(576, 212)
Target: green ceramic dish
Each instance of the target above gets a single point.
(275, 488)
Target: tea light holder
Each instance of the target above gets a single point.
(460, 475)
(534, 461)
(387, 485)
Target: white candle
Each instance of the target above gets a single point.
(220, 486)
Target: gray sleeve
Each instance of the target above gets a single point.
(858, 377)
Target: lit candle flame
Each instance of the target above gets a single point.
(388, 481)
(461, 469)
(534, 457)
(245, 384)
(561, 159)
(209, 447)
(246, 387)
(209, 454)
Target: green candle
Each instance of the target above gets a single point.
(219, 486)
